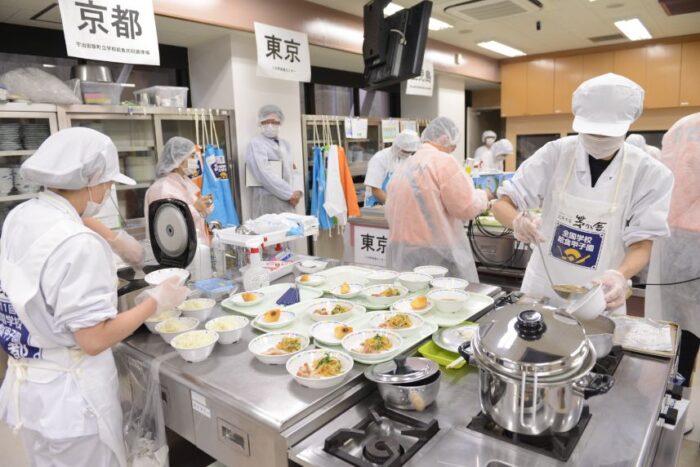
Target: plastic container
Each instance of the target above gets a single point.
(162, 96)
(255, 275)
(98, 93)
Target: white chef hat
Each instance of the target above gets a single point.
(74, 158)
(407, 140)
(607, 105)
(502, 147)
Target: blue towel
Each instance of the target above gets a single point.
(318, 190)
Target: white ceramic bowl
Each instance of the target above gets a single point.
(433, 271)
(589, 305)
(324, 332)
(230, 328)
(414, 281)
(199, 308)
(263, 343)
(159, 276)
(195, 353)
(355, 290)
(159, 318)
(309, 356)
(352, 343)
(380, 317)
(404, 306)
(310, 266)
(384, 301)
(237, 299)
(329, 305)
(382, 276)
(450, 283)
(448, 301)
(314, 280)
(183, 325)
(286, 317)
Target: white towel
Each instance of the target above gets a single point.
(335, 204)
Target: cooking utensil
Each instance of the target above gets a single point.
(538, 379)
(99, 73)
(406, 383)
(588, 306)
(600, 332)
(457, 363)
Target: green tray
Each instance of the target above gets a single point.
(433, 352)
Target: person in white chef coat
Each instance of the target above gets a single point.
(482, 155)
(58, 315)
(635, 139)
(603, 201)
(383, 164)
(495, 160)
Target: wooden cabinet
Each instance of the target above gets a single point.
(514, 89)
(663, 75)
(540, 86)
(632, 64)
(690, 74)
(597, 64)
(568, 74)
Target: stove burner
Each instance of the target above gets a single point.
(608, 364)
(381, 449)
(559, 446)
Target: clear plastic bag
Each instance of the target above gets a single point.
(143, 422)
(38, 86)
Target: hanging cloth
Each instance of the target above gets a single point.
(197, 177)
(348, 185)
(318, 186)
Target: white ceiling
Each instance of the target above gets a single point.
(566, 24)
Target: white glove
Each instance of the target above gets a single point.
(129, 249)
(614, 286)
(167, 295)
(526, 228)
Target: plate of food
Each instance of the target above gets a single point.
(330, 310)
(230, 328)
(397, 321)
(346, 290)
(330, 332)
(276, 348)
(372, 344)
(275, 318)
(160, 316)
(246, 299)
(310, 280)
(320, 369)
(195, 346)
(384, 295)
(418, 305)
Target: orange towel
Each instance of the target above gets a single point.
(348, 185)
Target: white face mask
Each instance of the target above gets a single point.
(270, 130)
(93, 208)
(490, 141)
(601, 147)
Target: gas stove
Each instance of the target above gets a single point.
(385, 438)
(608, 364)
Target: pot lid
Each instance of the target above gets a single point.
(531, 338)
(402, 370)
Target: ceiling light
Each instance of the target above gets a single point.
(633, 29)
(48, 65)
(502, 49)
(392, 8)
(434, 24)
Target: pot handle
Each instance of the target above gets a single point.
(523, 386)
(594, 384)
(466, 351)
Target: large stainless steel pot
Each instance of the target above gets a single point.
(406, 383)
(534, 369)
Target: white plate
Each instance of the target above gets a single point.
(161, 275)
(405, 306)
(449, 283)
(324, 332)
(286, 317)
(355, 290)
(369, 292)
(329, 305)
(434, 271)
(309, 356)
(352, 342)
(378, 318)
(310, 267)
(263, 343)
(237, 299)
(314, 280)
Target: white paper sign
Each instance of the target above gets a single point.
(423, 84)
(370, 245)
(390, 130)
(122, 31)
(409, 125)
(282, 53)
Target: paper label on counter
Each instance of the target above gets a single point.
(199, 404)
(122, 31)
(282, 53)
(370, 245)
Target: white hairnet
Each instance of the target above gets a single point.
(488, 134)
(176, 150)
(442, 131)
(407, 141)
(270, 111)
(74, 158)
(501, 147)
(637, 140)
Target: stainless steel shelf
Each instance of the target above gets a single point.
(19, 152)
(135, 148)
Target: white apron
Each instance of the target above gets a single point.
(583, 235)
(96, 377)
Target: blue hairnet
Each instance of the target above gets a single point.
(270, 110)
(176, 150)
(442, 131)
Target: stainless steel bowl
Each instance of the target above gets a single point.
(411, 396)
(600, 333)
(99, 73)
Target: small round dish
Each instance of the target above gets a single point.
(433, 271)
(373, 294)
(354, 344)
(195, 346)
(382, 276)
(330, 310)
(310, 280)
(383, 320)
(198, 308)
(230, 328)
(451, 338)
(419, 305)
(172, 327)
(161, 275)
(310, 266)
(414, 281)
(330, 332)
(286, 317)
(302, 367)
(355, 290)
(265, 347)
(448, 301)
(159, 317)
(449, 283)
(239, 299)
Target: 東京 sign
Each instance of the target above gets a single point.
(121, 31)
(282, 54)
(369, 245)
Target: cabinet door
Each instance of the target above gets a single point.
(513, 89)
(632, 64)
(597, 64)
(690, 74)
(663, 76)
(540, 86)
(568, 74)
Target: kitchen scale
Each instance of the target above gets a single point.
(172, 233)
